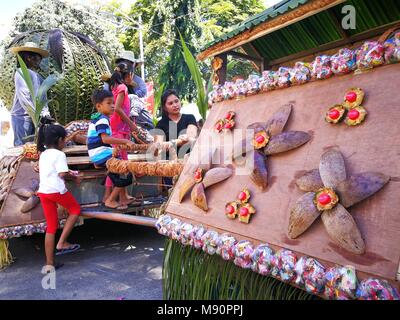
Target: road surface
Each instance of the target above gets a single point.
(116, 262)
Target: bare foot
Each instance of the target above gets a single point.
(64, 245)
(116, 205)
(127, 202)
(111, 204)
(129, 197)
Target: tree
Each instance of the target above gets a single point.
(178, 18)
(220, 16)
(202, 20)
(51, 14)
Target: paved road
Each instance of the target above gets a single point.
(116, 262)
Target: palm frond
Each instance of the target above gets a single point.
(202, 103)
(56, 46)
(190, 274)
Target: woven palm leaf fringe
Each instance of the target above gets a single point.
(81, 67)
(190, 274)
(5, 255)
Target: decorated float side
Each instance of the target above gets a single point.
(81, 65)
(305, 204)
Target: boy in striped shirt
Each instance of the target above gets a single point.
(99, 141)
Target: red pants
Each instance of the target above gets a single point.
(49, 204)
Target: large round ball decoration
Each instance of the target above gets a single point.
(80, 63)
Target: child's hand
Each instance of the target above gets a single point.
(184, 138)
(130, 144)
(166, 146)
(74, 173)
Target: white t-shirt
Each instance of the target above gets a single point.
(51, 163)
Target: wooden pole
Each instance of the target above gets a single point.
(119, 217)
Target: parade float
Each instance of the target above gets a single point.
(315, 214)
(80, 64)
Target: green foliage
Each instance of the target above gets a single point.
(51, 14)
(220, 16)
(191, 274)
(157, 103)
(201, 100)
(178, 18)
(73, 56)
(199, 22)
(39, 99)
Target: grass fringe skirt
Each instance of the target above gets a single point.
(5, 255)
(190, 274)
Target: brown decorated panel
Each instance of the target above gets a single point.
(373, 146)
(11, 214)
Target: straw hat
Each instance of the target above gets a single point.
(130, 56)
(30, 47)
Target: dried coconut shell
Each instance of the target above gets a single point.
(199, 197)
(310, 181)
(332, 168)
(185, 187)
(286, 141)
(302, 215)
(360, 186)
(259, 174)
(278, 120)
(216, 175)
(343, 230)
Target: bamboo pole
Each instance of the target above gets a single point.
(119, 217)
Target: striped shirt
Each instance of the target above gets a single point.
(99, 152)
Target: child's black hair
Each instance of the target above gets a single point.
(49, 135)
(121, 71)
(98, 96)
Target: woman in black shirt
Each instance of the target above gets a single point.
(180, 129)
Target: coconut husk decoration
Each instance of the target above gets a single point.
(200, 178)
(268, 140)
(8, 168)
(75, 57)
(330, 192)
(155, 169)
(350, 110)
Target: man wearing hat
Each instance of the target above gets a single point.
(139, 87)
(136, 90)
(22, 123)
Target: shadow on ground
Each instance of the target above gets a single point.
(116, 262)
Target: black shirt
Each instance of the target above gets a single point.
(173, 130)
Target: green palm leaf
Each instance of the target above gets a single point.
(202, 103)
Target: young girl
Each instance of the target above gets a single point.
(121, 124)
(53, 169)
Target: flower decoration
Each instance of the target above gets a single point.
(226, 124)
(370, 55)
(350, 110)
(240, 207)
(253, 85)
(330, 193)
(269, 139)
(201, 178)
